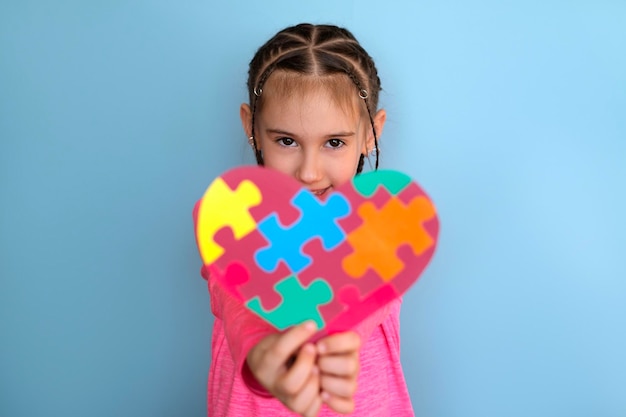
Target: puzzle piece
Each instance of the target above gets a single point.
(232, 277)
(393, 181)
(329, 265)
(359, 306)
(318, 219)
(225, 208)
(243, 251)
(375, 242)
(299, 303)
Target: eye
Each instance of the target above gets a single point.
(286, 141)
(335, 143)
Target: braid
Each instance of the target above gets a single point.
(315, 50)
(359, 167)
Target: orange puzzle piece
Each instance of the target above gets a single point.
(375, 242)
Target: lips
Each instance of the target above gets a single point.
(319, 192)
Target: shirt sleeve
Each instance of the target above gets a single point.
(243, 329)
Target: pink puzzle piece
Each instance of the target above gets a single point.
(245, 255)
(357, 307)
(231, 278)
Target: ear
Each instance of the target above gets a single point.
(379, 123)
(245, 113)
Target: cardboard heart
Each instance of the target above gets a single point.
(289, 256)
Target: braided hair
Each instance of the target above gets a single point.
(320, 50)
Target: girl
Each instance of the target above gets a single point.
(312, 115)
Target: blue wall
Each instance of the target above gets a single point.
(114, 116)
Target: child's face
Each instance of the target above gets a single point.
(312, 138)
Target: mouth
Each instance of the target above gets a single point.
(320, 192)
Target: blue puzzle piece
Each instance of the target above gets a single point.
(317, 219)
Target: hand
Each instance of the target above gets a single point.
(285, 365)
(339, 367)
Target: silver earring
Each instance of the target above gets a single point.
(251, 140)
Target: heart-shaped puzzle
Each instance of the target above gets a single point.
(289, 256)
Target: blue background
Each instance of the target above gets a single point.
(114, 117)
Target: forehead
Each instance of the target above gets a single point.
(289, 89)
(313, 115)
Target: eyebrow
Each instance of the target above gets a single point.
(332, 135)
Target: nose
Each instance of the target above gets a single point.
(310, 170)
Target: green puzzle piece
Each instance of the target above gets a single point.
(393, 181)
(299, 303)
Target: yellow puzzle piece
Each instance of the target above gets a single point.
(223, 207)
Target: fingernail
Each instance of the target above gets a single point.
(321, 348)
(325, 396)
(310, 325)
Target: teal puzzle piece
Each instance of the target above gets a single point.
(393, 181)
(299, 304)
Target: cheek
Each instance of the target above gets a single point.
(280, 163)
(344, 170)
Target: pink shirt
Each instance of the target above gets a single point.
(234, 392)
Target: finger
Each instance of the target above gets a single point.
(288, 343)
(339, 365)
(299, 373)
(338, 404)
(337, 386)
(304, 399)
(339, 343)
(256, 360)
(314, 407)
